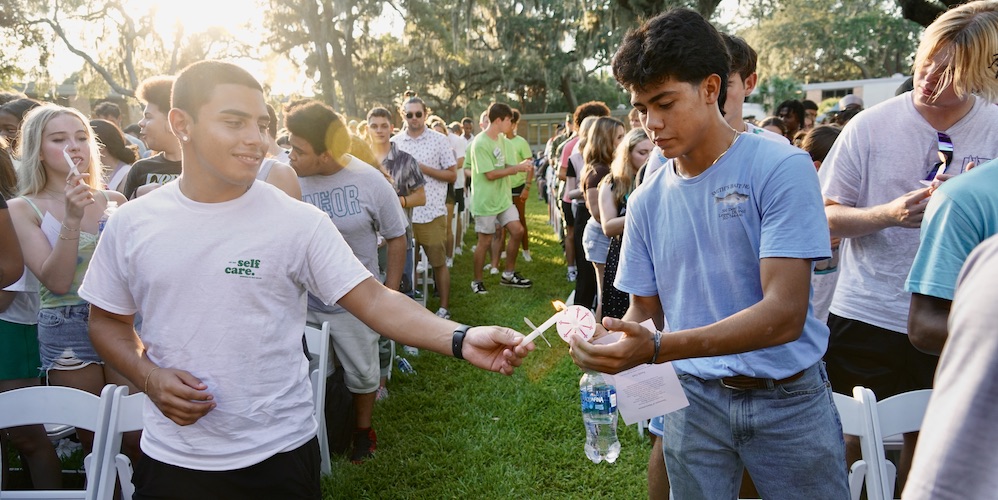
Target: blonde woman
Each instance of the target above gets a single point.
(56, 217)
(597, 154)
(614, 189)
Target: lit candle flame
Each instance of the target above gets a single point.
(558, 305)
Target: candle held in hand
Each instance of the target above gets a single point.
(72, 166)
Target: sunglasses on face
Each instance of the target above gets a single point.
(417, 114)
(945, 145)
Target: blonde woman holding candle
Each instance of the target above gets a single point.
(56, 218)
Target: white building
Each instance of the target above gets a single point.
(873, 91)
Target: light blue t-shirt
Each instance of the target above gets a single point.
(697, 243)
(961, 214)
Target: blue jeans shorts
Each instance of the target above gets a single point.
(63, 338)
(788, 436)
(594, 243)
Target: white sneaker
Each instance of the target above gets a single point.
(412, 351)
(487, 267)
(458, 251)
(493, 271)
(502, 255)
(443, 313)
(526, 256)
(450, 262)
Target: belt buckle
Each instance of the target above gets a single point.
(740, 387)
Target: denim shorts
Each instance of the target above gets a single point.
(789, 438)
(595, 243)
(63, 339)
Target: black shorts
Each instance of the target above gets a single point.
(881, 360)
(293, 474)
(567, 214)
(458, 200)
(518, 189)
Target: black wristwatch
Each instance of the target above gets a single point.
(457, 342)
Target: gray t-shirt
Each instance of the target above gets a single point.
(956, 456)
(882, 154)
(362, 204)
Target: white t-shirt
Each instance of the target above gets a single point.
(221, 288)
(460, 145)
(24, 309)
(766, 134)
(880, 155)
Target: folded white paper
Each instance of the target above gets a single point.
(646, 391)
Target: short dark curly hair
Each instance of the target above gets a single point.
(587, 109)
(678, 45)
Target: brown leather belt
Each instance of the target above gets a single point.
(743, 383)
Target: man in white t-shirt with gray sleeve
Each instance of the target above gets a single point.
(362, 205)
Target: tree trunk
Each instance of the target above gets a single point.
(566, 90)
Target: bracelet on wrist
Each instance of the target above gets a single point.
(69, 228)
(61, 237)
(657, 338)
(145, 387)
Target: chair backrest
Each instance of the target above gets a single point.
(125, 416)
(60, 405)
(895, 415)
(903, 413)
(856, 421)
(317, 341)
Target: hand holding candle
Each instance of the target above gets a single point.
(72, 166)
(573, 319)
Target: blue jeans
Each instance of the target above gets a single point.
(788, 436)
(63, 338)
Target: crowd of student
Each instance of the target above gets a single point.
(788, 259)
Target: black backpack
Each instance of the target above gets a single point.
(340, 417)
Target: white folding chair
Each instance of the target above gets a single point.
(895, 416)
(60, 405)
(856, 421)
(424, 277)
(318, 345)
(125, 416)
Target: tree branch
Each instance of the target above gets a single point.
(104, 73)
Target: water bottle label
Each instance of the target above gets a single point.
(599, 400)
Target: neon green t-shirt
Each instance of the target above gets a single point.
(518, 151)
(488, 197)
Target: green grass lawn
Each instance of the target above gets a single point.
(453, 431)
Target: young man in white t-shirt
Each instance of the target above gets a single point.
(741, 82)
(875, 201)
(219, 266)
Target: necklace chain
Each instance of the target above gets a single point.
(733, 139)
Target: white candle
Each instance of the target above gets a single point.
(541, 329)
(69, 160)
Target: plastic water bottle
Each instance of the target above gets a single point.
(599, 414)
(404, 365)
(111, 207)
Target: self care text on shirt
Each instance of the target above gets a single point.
(244, 268)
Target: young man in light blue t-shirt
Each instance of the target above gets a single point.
(721, 242)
